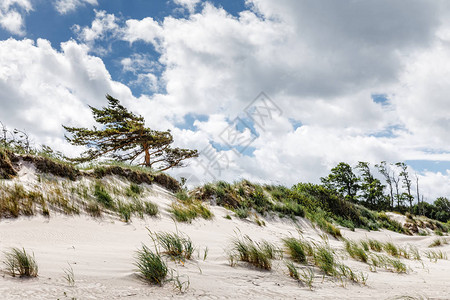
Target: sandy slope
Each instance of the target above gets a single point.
(101, 253)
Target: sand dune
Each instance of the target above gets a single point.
(101, 253)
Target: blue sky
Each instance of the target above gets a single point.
(346, 81)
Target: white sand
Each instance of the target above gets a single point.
(101, 253)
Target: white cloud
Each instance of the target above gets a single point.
(67, 6)
(147, 30)
(103, 28)
(320, 62)
(187, 4)
(41, 88)
(11, 15)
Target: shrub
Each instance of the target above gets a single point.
(241, 213)
(19, 262)
(151, 266)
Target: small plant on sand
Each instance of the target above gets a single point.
(435, 255)
(124, 211)
(69, 275)
(388, 263)
(189, 211)
(438, 242)
(292, 269)
(375, 245)
(306, 275)
(241, 213)
(134, 190)
(151, 266)
(179, 284)
(19, 262)
(355, 251)
(151, 208)
(296, 249)
(102, 195)
(324, 259)
(391, 249)
(177, 246)
(257, 254)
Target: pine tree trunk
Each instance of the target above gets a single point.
(147, 155)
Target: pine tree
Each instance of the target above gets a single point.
(124, 137)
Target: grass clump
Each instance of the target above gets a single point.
(69, 275)
(438, 242)
(151, 266)
(124, 210)
(297, 249)
(435, 255)
(391, 249)
(356, 252)
(324, 259)
(388, 263)
(320, 219)
(375, 245)
(19, 262)
(257, 254)
(151, 208)
(177, 246)
(102, 196)
(134, 190)
(305, 276)
(189, 211)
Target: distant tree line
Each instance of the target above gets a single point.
(361, 185)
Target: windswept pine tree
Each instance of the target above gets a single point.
(124, 137)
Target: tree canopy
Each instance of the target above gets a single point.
(124, 137)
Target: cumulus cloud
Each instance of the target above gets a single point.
(41, 88)
(12, 15)
(320, 62)
(67, 6)
(187, 4)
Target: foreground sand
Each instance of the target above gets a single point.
(101, 253)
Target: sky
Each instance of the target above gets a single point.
(271, 91)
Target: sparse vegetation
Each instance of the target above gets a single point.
(438, 242)
(19, 262)
(151, 266)
(189, 211)
(258, 254)
(433, 255)
(69, 276)
(176, 245)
